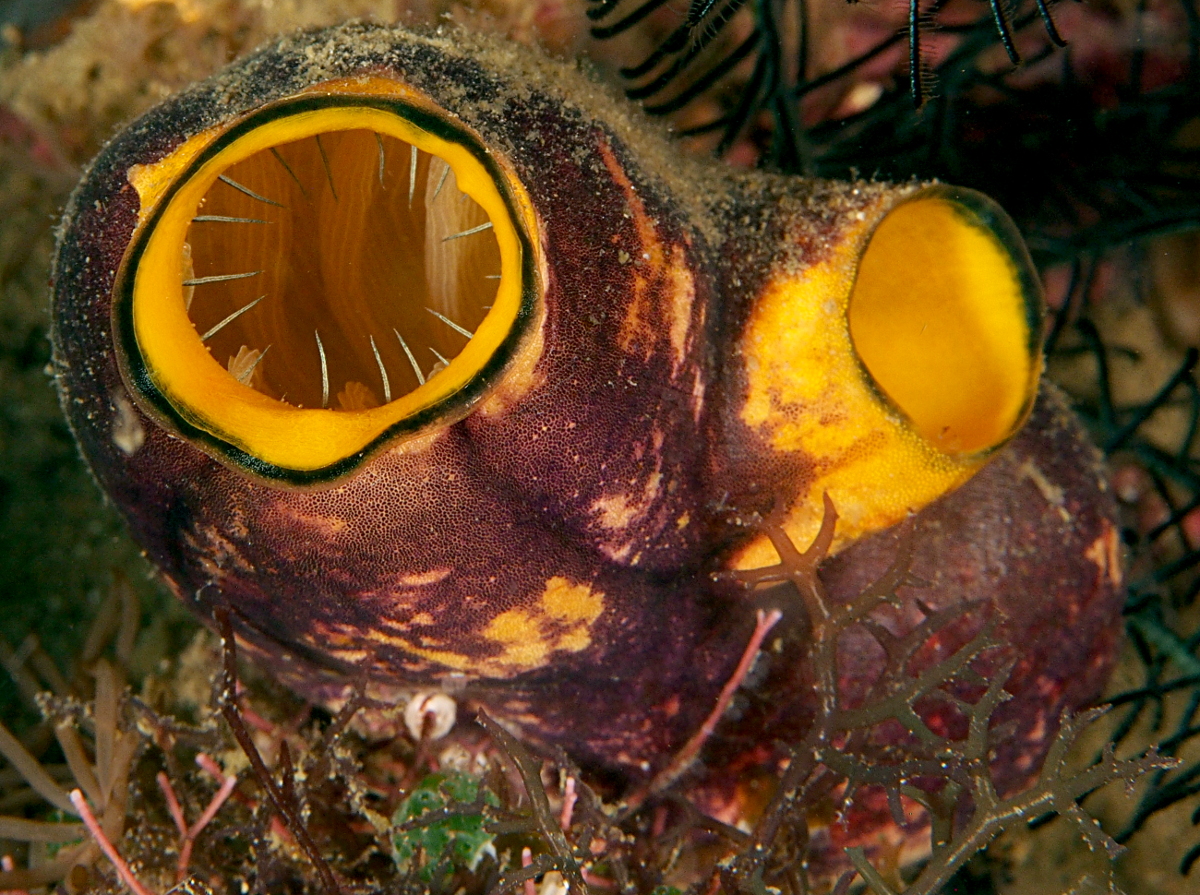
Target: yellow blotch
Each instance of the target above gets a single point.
(335, 637)
(618, 511)
(1105, 552)
(423, 579)
(572, 602)
(559, 622)
(330, 525)
(456, 661)
(525, 646)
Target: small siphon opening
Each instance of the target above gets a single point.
(939, 317)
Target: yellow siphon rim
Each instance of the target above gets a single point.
(171, 369)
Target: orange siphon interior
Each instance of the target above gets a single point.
(340, 270)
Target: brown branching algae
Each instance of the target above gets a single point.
(725, 512)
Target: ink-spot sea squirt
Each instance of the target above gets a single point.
(423, 358)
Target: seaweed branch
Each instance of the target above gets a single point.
(281, 795)
(104, 775)
(561, 857)
(950, 779)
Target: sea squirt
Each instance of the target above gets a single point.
(439, 368)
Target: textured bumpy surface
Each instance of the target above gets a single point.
(1030, 541)
(548, 547)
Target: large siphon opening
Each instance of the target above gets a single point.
(342, 270)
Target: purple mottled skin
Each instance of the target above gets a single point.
(617, 471)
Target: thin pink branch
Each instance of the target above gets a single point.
(762, 627)
(251, 717)
(214, 806)
(185, 858)
(110, 850)
(213, 769)
(8, 866)
(187, 835)
(526, 860)
(280, 831)
(258, 722)
(210, 767)
(599, 882)
(570, 797)
(173, 806)
(264, 725)
(658, 825)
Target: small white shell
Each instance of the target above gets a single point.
(431, 714)
(127, 432)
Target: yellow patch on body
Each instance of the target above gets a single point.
(521, 636)
(423, 579)
(453, 660)
(571, 603)
(560, 621)
(619, 512)
(1105, 552)
(329, 524)
(809, 397)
